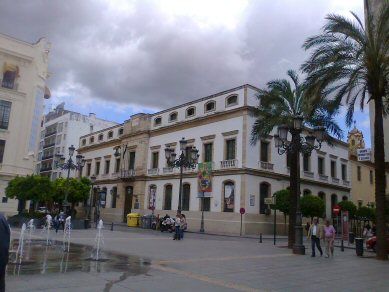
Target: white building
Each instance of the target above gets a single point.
(22, 91)
(243, 175)
(61, 129)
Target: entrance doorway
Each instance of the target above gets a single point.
(128, 202)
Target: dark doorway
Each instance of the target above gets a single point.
(128, 202)
(264, 192)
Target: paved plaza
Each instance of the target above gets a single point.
(200, 263)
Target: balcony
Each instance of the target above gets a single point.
(115, 175)
(189, 169)
(47, 157)
(335, 180)
(104, 176)
(46, 168)
(346, 183)
(323, 177)
(50, 133)
(153, 171)
(231, 163)
(168, 170)
(266, 165)
(127, 173)
(48, 145)
(308, 174)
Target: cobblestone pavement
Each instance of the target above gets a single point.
(209, 263)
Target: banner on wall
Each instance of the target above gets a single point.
(152, 196)
(229, 197)
(204, 179)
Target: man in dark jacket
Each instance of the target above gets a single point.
(4, 247)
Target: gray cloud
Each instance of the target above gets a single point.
(143, 58)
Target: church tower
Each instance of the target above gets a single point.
(355, 140)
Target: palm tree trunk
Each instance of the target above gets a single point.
(294, 189)
(379, 160)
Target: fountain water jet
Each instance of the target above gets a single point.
(19, 251)
(47, 228)
(66, 234)
(31, 228)
(99, 241)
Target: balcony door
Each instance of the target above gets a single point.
(128, 202)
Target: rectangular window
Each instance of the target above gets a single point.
(208, 152)
(5, 112)
(371, 177)
(107, 164)
(60, 127)
(4, 200)
(333, 168)
(154, 160)
(344, 172)
(114, 196)
(97, 172)
(264, 151)
(306, 162)
(2, 148)
(359, 175)
(320, 165)
(131, 162)
(58, 140)
(230, 149)
(88, 169)
(207, 204)
(117, 165)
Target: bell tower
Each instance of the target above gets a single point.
(355, 140)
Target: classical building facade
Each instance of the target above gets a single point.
(22, 91)
(243, 175)
(60, 129)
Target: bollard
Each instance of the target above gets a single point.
(112, 226)
(260, 238)
(341, 246)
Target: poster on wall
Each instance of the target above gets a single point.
(229, 197)
(152, 196)
(204, 179)
(252, 200)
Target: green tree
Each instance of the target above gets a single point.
(365, 213)
(312, 206)
(348, 206)
(350, 64)
(282, 202)
(279, 104)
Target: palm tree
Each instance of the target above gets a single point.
(279, 104)
(350, 64)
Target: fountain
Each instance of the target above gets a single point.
(19, 251)
(99, 241)
(66, 234)
(47, 228)
(31, 228)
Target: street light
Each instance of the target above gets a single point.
(294, 147)
(187, 159)
(60, 162)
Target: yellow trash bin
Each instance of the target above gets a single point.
(133, 219)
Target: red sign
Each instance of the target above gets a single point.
(336, 209)
(242, 211)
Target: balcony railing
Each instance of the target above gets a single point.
(115, 175)
(47, 157)
(335, 180)
(231, 163)
(189, 169)
(48, 145)
(50, 133)
(153, 171)
(323, 177)
(127, 173)
(47, 168)
(104, 175)
(308, 174)
(266, 165)
(346, 183)
(168, 170)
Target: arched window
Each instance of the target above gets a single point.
(83, 142)
(334, 200)
(323, 197)
(152, 196)
(173, 117)
(114, 192)
(232, 100)
(306, 192)
(167, 202)
(157, 121)
(185, 197)
(344, 198)
(264, 192)
(110, 134)
(101, 137)
(120, 132)
(92, 139)
(229, 196)
(210, 106)
(190, 112)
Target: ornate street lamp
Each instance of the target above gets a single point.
(297, 145)
(187, 159)
(61, 163)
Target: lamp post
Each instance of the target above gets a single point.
(297, 145)
(62, 163)
(187, 159)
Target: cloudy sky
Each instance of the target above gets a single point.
(119, 57)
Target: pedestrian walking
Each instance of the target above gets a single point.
(177, 223)
(315, 233)
(329, 238)
(367, 231)
(183, 225)
(5, 235)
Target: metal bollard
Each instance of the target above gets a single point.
(342, 246)
(112, 226)
(260, 238)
